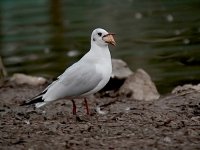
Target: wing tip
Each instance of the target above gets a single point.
(35, 100)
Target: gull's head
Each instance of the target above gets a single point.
(102, 38)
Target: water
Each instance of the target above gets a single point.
(43, 37)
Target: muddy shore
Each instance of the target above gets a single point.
(171, 122)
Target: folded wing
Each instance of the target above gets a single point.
(75, 81)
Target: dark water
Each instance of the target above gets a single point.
(43, 37)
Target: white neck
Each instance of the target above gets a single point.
(102, 52)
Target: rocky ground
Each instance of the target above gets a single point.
(171, 122)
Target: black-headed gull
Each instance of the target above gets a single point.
(87, 76)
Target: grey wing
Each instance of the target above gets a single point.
(75, 81)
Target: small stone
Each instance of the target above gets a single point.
(186, 87)
(99, 111)
(167, 139)
(20, 78)
(27, 122)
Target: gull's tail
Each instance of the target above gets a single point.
(37, 100)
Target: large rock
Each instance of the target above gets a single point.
(140, 87)
(120, 69)
(120, 72)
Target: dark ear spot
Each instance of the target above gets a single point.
(94, 39)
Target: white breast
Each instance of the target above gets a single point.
(103, 66)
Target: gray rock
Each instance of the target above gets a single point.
(20, 78)
(120, 69)
(120, 72)
(186, 88)
(140, 87)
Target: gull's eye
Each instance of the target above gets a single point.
(99, 34)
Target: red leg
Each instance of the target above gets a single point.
(74, 107)
(86, 106)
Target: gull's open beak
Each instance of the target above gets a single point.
(108, 38)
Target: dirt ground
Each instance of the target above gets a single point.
(172, 122)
